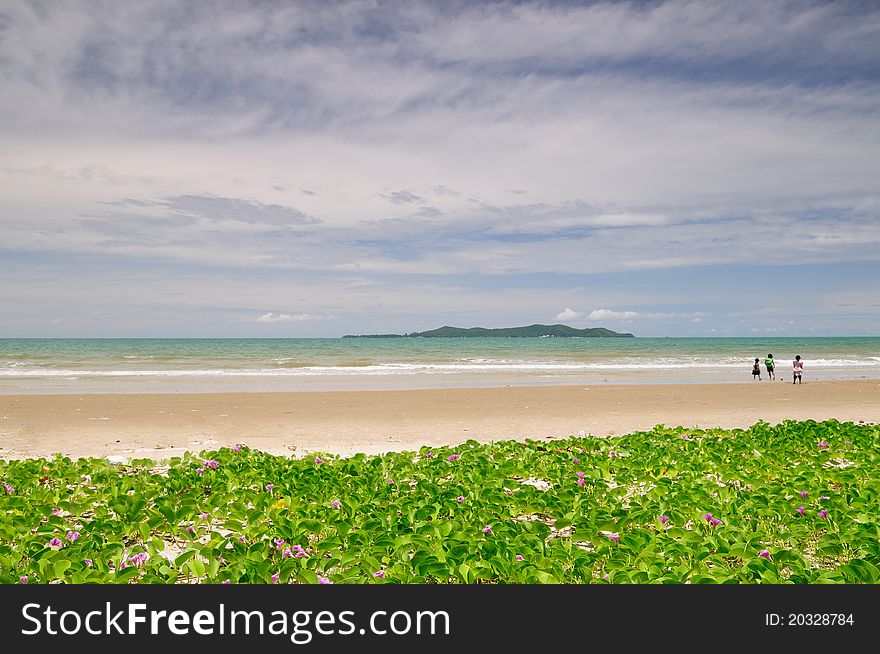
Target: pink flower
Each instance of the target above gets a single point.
(323, 580)
(212, 464)
(138, 559)
(507, 491)
(847, 442)
(520, 558)
(581, 481)
(225, 582)
(612, 453)
(23, 579)
(487, 529)
(199, 471)
(122, 565)
(823, 444)
(765, 554)
(287, 554)
(614, 537)
(56, 511)
(318, 461)
(300, 552)
(56, 543)
(379, 574)
(270, 488)
(279, 543)
(241, 539)
(429, 455)
(459, 499)
(335, 504)
(605, 577)
(89, 562)
(576, 460)
(203, 516)
(390, 481)
(715, 522)
(72, 536)
(580, 475)
(275, 578)
(823, 514)
(10, 489)
(663, 519)
(804, 494)
(453, 457)
(191, 529)
(707, 517)
(801, 510)
(236, 448)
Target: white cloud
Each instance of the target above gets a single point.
(286, 317)
(608, 314)
(568, 314)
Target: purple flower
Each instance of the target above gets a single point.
(801, 510)
(459, 499)
(203, 516)
(390, 481)
(89, 562)
(287, 554)
(122, 565)
(236, 448)
(605, 577)
(56, 543)
(453, 457)
(823, 514)
(847, 442)
(225, 582)
(138, 559)
(212, 464)
(279, 543)
(275, 578)
(707, 517)
(299, 552)
(520, 558)
(199, 471)
(10, 489)
(429, 455)
(270, 488)
(318, 461)
(663, 519)
(23, 579)
(323, 580)
(612, 453)
(72, 536)
(487, 529)
(823, 444)
(614, 537)
(335, 504)
(580, 475)
(581, 481)
(241, 539)
(379, 574)
(576, 460)
(765, 554)
(191, 529)
(507, 491)
(804, 494)
(56, 511)
(715, 522)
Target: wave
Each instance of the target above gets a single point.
(15, 369)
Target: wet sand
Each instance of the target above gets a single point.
(164, 425)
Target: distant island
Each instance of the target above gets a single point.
(532, 331)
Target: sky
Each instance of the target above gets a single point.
(299, 169)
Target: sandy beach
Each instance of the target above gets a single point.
(164, 425)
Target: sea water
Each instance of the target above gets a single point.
(213, 365)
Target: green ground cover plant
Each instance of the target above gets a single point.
(798, 502)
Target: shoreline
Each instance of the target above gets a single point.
(163, 425)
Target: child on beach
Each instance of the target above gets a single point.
(797, 369)
(756, 370)
(771, 367)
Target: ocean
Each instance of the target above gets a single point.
(296, 364)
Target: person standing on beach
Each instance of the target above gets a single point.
(797, 369)
(771, 367)
(756, 370)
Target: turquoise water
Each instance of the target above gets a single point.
(138, 365)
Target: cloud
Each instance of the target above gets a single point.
(608, 314)
(286, 317)
(568, 314)
(404, 197)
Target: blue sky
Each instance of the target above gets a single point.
(670, 168)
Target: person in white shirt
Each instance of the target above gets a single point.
(797, 369)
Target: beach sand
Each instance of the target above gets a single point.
(159, 426)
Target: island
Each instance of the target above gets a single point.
(532, 331)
